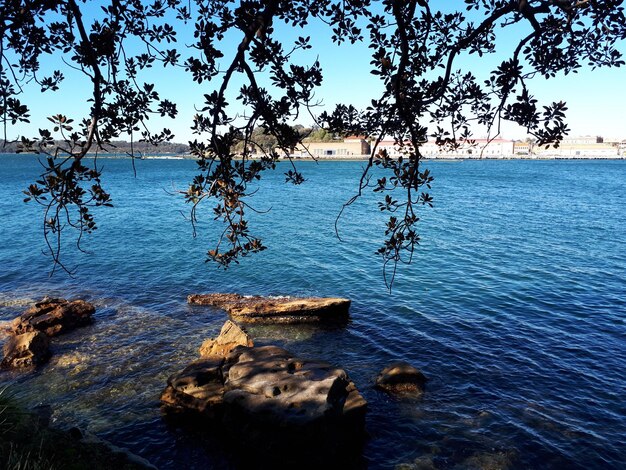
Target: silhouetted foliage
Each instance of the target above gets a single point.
(414, 51)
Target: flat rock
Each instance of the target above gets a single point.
(54, 317)
(26, 350)
(258, 309)
(230, 337)
(401, 378)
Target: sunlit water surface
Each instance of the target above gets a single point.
(514, 307)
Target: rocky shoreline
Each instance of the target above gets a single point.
(28, 441)
(257, 397)
(30, 333)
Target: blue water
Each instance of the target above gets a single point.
(515, 308)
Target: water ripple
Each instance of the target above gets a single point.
(515, 308)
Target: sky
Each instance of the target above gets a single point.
(596, 101)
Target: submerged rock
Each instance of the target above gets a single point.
(26, 350)
(112, 456)
(54, 316)
(266, 397)
(258, 309)
(70, 360)
(420, 463)
(230, 337)
(501, 460)
(5, 329)
(401, 378)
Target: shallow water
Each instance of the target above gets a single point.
(514, 308)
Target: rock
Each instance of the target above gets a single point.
(230, 337)
(265, 397)
(70, 359)
(257, 309)
(42, 415)
(420, 463)
(5, 329)
(54, 316)
(501, 460)
(29, 333)
(401, 378)
(109, 455)
(29, 442)
(26, 350)
(198, 388)
(9, 301)
(215, 300)
(75, 433)
(267, 384)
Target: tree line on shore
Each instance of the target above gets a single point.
(118, 147)
(261, 140)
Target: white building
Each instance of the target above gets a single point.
(580, 147)
(477, 148)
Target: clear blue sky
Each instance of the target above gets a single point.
(596, 102)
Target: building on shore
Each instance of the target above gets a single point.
(580, 147)
(350, 147)
(522, 148)
(476, 148)
(570, 148)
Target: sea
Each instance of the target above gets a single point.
(514, 307)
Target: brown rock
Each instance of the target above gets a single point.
(5, 329)
(26, 350)
(215, 300)
(199, 388)
(230, 337)
(54, 316)
(257, 309)
(401, 378)
(264, 396)
(268, 383)
(355, 405)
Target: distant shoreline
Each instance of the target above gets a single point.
(357, 158)
(461, 159)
